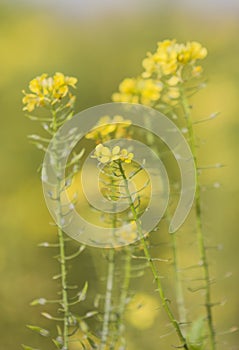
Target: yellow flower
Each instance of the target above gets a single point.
(105, 155)
(60, 80)
(170, 56)
(106, 126)
(173, 93)
(39, 85)
(191, 52)
(126, 156)
(138, 90)
(163, 61)
(166, 56)
(197, 51)
(149, 65)
(31, 101)
(121, 120)
(49, 91)
(174, 80)
(196, 70)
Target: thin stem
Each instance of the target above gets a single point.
(65, 299)
(124, 295)
(110, 281)
(108, 299)
(65, 303)
(200, 236)
(179, 287)
(151, 263)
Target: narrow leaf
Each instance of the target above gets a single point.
(40, 301)
(27, 347)
(58, 342)
(39, 330)
(90, 314)
(82, 294)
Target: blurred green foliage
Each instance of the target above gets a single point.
(101, 51)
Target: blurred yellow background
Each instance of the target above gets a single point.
(101, 43)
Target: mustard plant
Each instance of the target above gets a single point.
(112, 333)
(171, 75)
(52, 100)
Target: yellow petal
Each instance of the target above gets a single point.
(116, 150)
(104, 159)
(105, 151)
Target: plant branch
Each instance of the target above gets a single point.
(179, 288)
(108, 299)
(200, 236)
(151, 263)
(65, 298)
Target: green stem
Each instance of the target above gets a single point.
(105, 338)
(179, 288)
(65, 299)
(65, 303)
(108, 299)
(200, 236)
(124, 295)
(151, 263)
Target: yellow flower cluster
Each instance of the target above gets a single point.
(105, 155)
(47, 91)
(108, 128)
(171, 56)
(138, 90)
(163, 75)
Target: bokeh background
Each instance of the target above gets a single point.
(101, 42)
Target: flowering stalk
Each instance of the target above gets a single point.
(114, 335)
(178, 282)
(151, 263)
(53, 93)
(64, 289)
(171, 74)
(200, 236)
(107, 128)
(115, 158)
(108, 307)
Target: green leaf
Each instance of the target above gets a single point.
(82, 293)
(77, 253)
(50, 317)
(91, 314)
(26, 347)
(59, 331)
(195, 338)
(40, 301)
(83, 326)
(39, 330)
(48, 245)
(58, 342)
